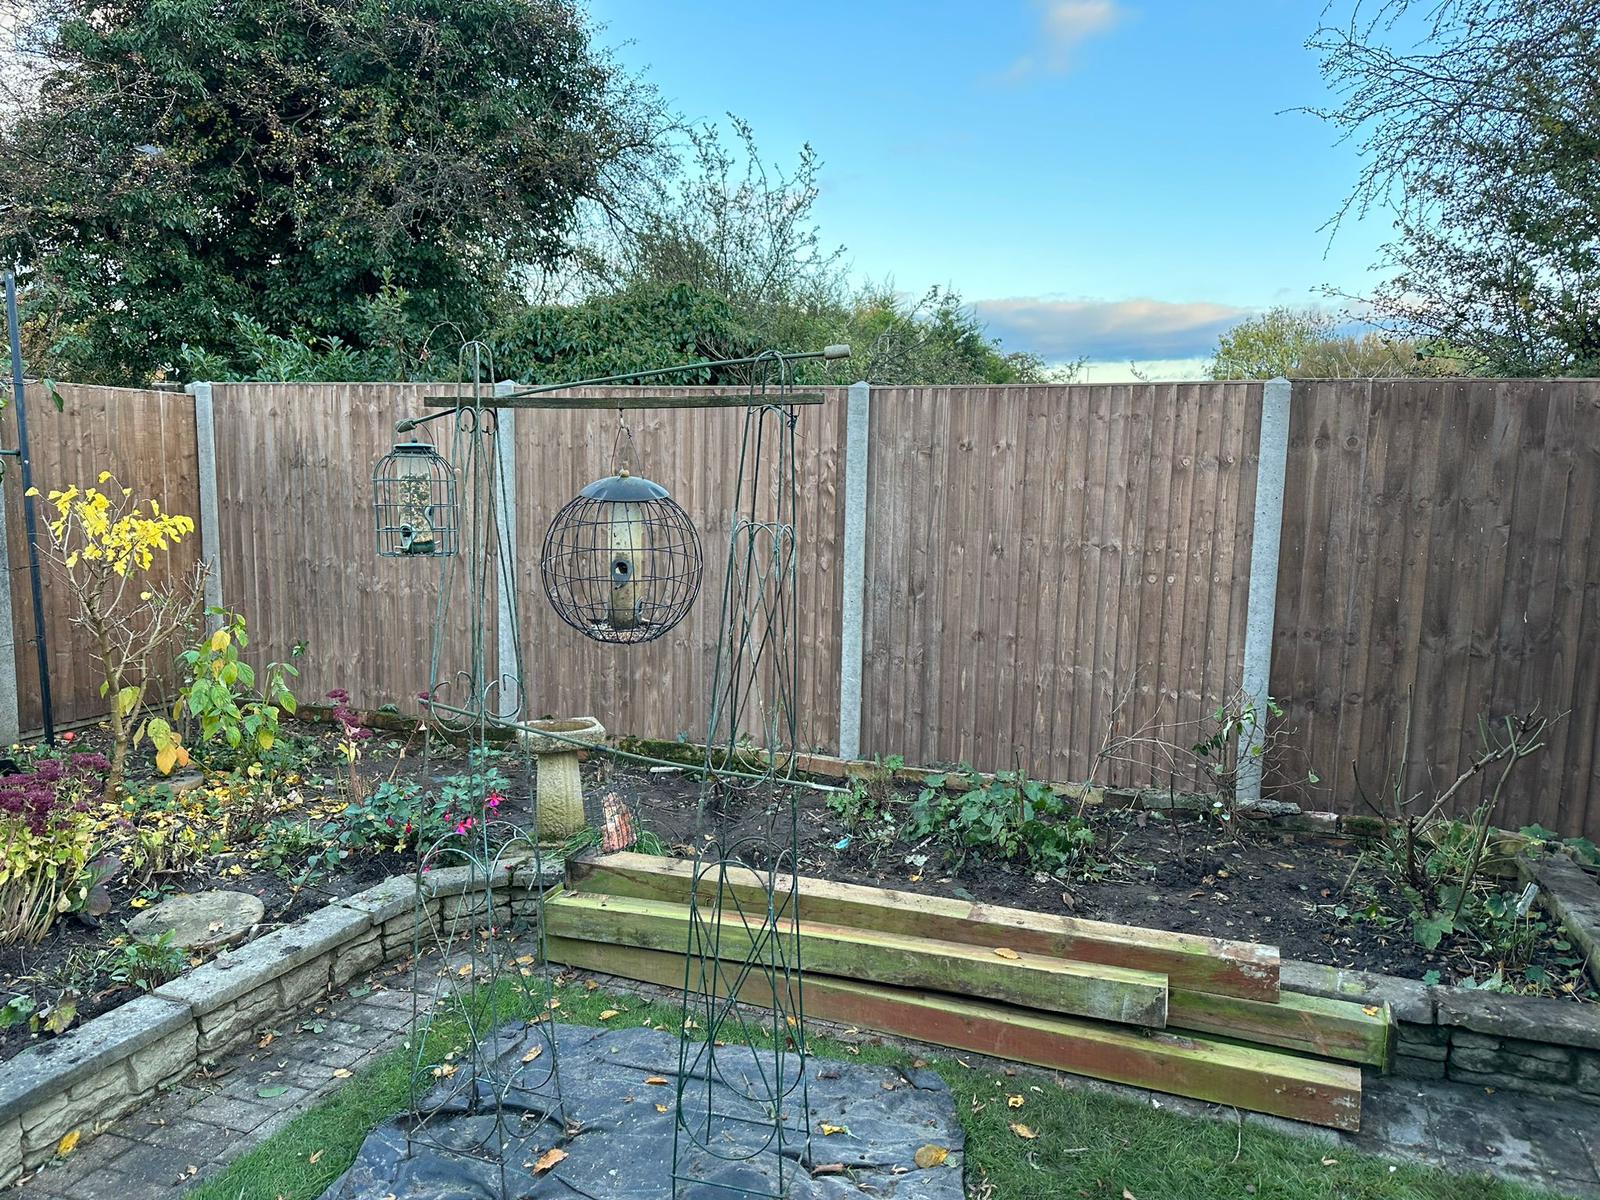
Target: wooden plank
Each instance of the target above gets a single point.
(1190, 962)
(1034, 981)
(613, 400)
(1338, 1029)
(1302, 1089)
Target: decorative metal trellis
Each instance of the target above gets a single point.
(748, 815)
(479, 888)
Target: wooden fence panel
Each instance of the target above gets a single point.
(661, 688)
(1439, 541)
(1049, 564)
(146, 439)
(294, 480)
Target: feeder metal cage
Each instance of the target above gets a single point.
(622, 561)
(414, 503)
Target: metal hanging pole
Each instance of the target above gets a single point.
(29, 518)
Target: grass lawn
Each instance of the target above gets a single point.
(1087, 1145)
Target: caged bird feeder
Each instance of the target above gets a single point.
(414, 503)
(622, 560)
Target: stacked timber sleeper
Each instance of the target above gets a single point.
(1193, 1016)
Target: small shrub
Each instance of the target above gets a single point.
(103, 548)
(48, 836)
(163, 833)
(220, 696)
(867, 801)
(1009, 815)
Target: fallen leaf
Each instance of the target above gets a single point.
(533, 1054)
(931, 1156)
(1330, 1162)
(271, 1093)
(830, 1130)
(266, 1040)
(464, 971)
(1022, 1131)
(609, 1013)
(314, 1157)
(661, 1108)
(827, 1169)
(68, 1142)
(1127, 1195)
(555, 1004)
(1015, 1101)
(1371, 1010)
(342, 1073)
(1005, 952)
(657, 1081)
(547, 1160)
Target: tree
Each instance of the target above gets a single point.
(1305, 343)
(1483, 140)
(176, 166)
(741, 237)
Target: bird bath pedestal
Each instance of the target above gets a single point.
(556, 745)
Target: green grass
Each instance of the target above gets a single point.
(1089, 1146)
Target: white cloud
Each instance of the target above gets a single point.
(1064, 25)
(1108, 330)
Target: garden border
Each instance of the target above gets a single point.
(90, 1076)
(86, 1078)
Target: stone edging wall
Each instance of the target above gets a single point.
(89, 1077)
(1534, 1044)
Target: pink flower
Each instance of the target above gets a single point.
(494, 800)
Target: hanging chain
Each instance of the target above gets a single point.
(622, 466)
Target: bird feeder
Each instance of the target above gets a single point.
(414, 503)
(560, 781)
(622, 561)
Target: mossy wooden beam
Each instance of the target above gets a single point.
(1018, 977)
(1307, 1024)
(1190, 962)
(1284, 1085)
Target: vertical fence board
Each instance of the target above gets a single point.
(143, 437)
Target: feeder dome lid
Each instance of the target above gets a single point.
(414, 448)
(625, 489)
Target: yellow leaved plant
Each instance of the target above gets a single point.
(109, 547)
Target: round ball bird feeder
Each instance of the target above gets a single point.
(414, 503)
(622, 561)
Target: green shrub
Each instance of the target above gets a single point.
(1008, 815)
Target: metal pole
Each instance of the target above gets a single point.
(29, 520)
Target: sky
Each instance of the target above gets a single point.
(1114, 179)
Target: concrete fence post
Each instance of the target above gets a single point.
(205, 441)
(508, 669)
(1261, 612)
(852, 610)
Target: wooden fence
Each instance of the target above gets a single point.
(1043, 565)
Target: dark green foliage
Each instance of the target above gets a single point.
(1007, 815)
(221, 174)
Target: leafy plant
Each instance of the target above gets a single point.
(103, 546)
(162, 832)
(146, 965)
(867, 800)
(48, 836)
(1009, 815)
(290, 845)
(220, 694)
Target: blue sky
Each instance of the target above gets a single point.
(1120, 179)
